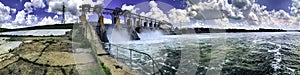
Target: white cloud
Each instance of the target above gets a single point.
(71, 8)
(33, 4)
(242, 4)
(206, 10)
(253, 17)
(127, 7)
(107, 21)
(130, 8)
(155, 12)
(253, 14)
(295, 9)
(20, 18)
(10, 26)
(38, 3)
(70, 18)
(25, 19)
(153, 4)
(4, 13)
(49, 20)
(178, 16)
(31, 19)
(28, 7)
(98, 2)
(13, 10)
(55, 6)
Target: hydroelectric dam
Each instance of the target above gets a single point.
(132, 25)
(101, 35)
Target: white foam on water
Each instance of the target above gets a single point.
(2, 40)
(150, 35)
(277, 56)
(293, 70)
(119, 36)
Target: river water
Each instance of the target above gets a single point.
(5, 46)
(215, 54)
(39, 32)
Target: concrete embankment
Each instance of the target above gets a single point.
(116, 67)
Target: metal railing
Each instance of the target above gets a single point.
(94, 37)
(154, 64)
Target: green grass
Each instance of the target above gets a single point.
(95, 71)
(105, 69)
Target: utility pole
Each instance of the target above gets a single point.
(63, 15)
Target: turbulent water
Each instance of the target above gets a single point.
(216, 54)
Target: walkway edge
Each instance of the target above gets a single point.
(108, 61)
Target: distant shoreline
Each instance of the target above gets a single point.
(55, 26)
(178, 31)
(201, 30)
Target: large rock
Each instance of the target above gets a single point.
(7, 59)
(31, 56)
(56, 59)
(59, 47)
(30, 47)
(47, 57)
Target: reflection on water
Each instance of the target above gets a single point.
(217, 53)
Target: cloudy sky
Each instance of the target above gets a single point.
(181, 13)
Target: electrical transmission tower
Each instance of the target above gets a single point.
(63, 14)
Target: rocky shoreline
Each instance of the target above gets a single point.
(49, 56)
